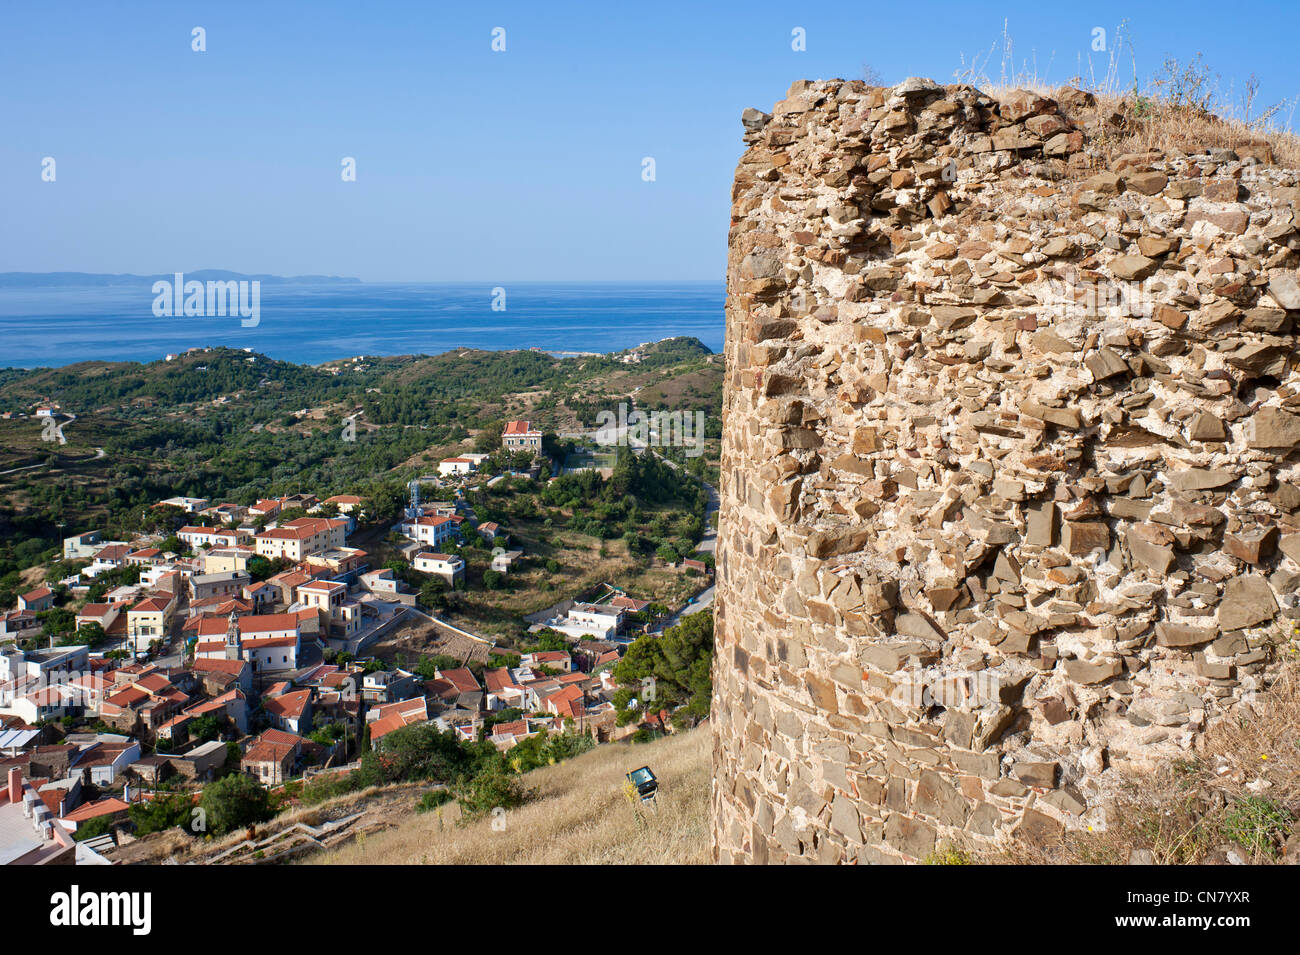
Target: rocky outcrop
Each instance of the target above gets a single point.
(1010, 497)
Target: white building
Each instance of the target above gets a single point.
(270, 642)
(597, 620)
(81, 546)
(428, 530)
(198, 537)
(190, 504)
(456, 466)
(447, 566)
(302, 537)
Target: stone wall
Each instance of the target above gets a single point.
(1009, 503)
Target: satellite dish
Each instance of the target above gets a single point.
(498, 550)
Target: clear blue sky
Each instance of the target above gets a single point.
(471, 165)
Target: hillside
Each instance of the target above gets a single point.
(582, 816)
(218, 422)
(228, 425)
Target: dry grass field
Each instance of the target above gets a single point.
(582, 815)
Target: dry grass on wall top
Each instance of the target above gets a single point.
(1145, 124)
(1236, 799)
(582, 816)
(1183, 105)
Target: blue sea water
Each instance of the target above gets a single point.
(310, 324)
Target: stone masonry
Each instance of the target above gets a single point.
(1010, 502)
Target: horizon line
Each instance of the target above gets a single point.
(371, 281)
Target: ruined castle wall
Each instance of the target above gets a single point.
(1009, 502)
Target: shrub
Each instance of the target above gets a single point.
(94, 827)
(948, 855)
(1257, 824)
(492, 788)
(234, 802)
(432, 800)
(161, 812)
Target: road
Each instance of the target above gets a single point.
(27, 467)
(703, 601)
(709, 542)
(99, 453)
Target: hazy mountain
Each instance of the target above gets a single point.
(98, 279)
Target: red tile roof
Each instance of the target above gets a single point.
(151, 605)
(154, 683)
(290, 705)
(249, 624)
(213, 531)
(516, 728)
(301, 528)
(95, 610)
(220, 665)
(327, 586)
(567, 702)
(100, 807)
(180, 719)
(52, 798)
(393, 716)
(629, 603)
(550, 656)
(443, 689)
(498, 680)
(214, 705)
(127, 697)
(431, 521)
(461, 678)
(432, 555)
(264, 751)
(280, 736)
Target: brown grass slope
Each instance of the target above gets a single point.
(582, 815)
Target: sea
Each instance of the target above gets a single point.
(315, 323)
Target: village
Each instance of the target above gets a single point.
(243, 642)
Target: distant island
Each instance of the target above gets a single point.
(102, 279)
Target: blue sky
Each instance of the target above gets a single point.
(472, 165)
